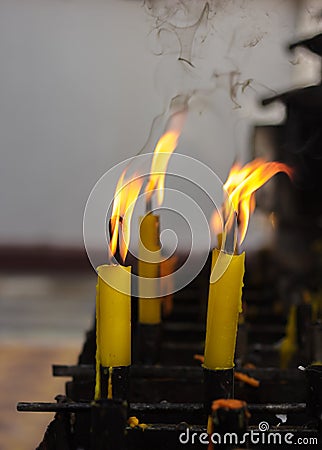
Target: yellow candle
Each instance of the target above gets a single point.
(113, 315)
(149, 257)
(224, 306)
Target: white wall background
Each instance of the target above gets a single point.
(77, 95)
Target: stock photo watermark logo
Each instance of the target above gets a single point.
(189, 197)
(260, 436)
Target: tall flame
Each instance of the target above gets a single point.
(164, 148)
(162, 153)
(126, 193)
(241, 184)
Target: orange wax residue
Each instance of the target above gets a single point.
(238, 375)
(167, 305)
(226, 404)
(110, 386)
(200, 358)
(249, 366)
(246, 379)
(229, 404)
(133, 421)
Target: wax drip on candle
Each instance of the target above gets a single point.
(210, 432)
(110, 383)
(97, 394)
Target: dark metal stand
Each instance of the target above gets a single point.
(314, 401)
(317, 341)
(119, 379)
(108, 422)
(217, 384)
(232, 419)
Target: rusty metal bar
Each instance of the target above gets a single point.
(278, 408)
(186, 372)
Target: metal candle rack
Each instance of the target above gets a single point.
(80, 423)
(169, 397)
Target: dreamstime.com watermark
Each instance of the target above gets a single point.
(260, 436)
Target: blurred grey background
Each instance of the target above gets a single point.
(80, 86)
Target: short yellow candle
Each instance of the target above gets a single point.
(113, 315)
(149, 257)
(224, 306)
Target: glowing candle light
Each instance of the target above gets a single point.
(113, 296)
(149, 244)
(225, 291)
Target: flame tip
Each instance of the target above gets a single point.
(126, 194)
(242, 183)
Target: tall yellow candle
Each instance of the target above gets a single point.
(113, 315)
(224, 306)
(149, 257)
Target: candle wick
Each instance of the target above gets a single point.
(110, 233)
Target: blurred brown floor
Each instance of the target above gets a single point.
(43, 319)
(26, 376)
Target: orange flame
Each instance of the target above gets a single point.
(162, 153)
(164, 148)
(126, 193)
(241, 184)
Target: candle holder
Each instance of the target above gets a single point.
(118, 379)
(230, 417)
(108, 422)
(217, 384)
